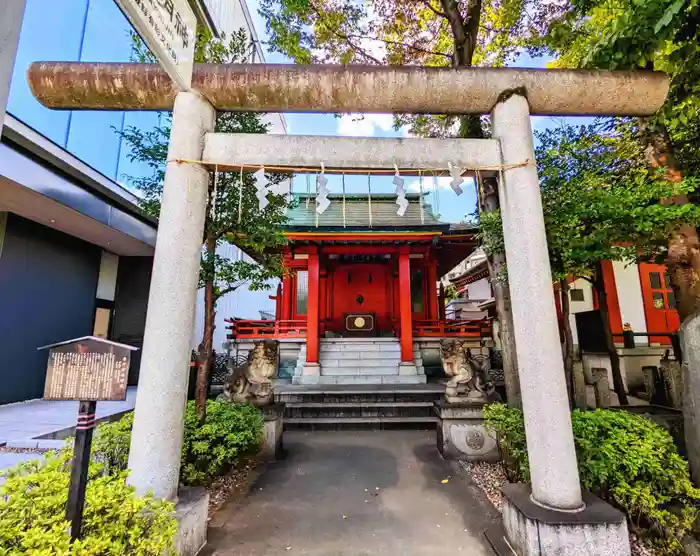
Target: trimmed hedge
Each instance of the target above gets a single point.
(209, 450)
(115, 521)
(625, 459)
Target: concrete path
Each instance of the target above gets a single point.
(35, 418)
(356, 493)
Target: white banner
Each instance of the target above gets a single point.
(169, 29)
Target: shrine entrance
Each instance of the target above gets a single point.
(361, 300)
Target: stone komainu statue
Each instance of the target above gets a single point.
(468, 375)
(252, 382)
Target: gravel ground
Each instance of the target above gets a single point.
(5, 449)
(234, 483)
(490, 478)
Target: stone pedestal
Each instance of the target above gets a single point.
(272, 447)
(534, 530)
(461, 433)
(191, 512)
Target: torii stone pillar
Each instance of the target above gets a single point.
(11, 16)
(550, 443)
(552, 516)
(156, 441)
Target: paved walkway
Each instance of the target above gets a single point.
(356, 493)
(28, 420)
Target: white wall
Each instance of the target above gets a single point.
(107, 280)
(481, 289)
(242, 304)
(629, 294)
(580, 306)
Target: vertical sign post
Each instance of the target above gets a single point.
(86, 369)
(79, 468)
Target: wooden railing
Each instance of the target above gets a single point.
(262, 329)
(452, 328)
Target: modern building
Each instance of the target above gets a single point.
(75, 249)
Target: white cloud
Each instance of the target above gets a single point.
(365, 125)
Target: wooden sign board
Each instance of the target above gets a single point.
(87, 369)
(169, 29)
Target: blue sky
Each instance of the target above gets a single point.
(453, 208)
(51, 35)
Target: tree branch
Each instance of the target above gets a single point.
(437, 12)
(343, 36)
(404, 45)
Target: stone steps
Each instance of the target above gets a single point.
(360, 407)
(360, 423)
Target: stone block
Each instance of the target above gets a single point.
(407, 369)
(323, 380)
(191, 513)
(23, 444)
(404, 379)
(579, 386)
(601, 386)
(461, 433)
(358, 371)
(272, 446)
(357, 379)
(533, 530)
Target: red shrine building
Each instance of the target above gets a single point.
(360, 300)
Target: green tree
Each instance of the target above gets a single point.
(601, 201)
(233, 215)
(651, 34)
(417, 32)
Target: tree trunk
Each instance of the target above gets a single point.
(205, 350)
(488, 201)
(684, 246)
(568, 350)
(618, 383)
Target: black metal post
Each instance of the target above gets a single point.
(676, 344)
(79, 469)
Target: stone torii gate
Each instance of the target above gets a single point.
(554, 517)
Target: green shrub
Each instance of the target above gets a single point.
(116, 521)
(626, 459)
(209, 450)
(110, 444)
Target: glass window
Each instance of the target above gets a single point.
(667, 280)
(576, 295)
(671, 300)
(655, 280)
(302, 291)
(417, 291)
(658, 299)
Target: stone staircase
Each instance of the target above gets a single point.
(380, 406)
(355, 361)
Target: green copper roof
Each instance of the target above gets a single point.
(357, 214)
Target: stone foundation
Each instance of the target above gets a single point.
(191, 513)
(272, 446)
(533, 530)
(461, 433)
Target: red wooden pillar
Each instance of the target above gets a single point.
(432, 290)
(287, 294)
(405, 306)
(441, 303)
(312, 310)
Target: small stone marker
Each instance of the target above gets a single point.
(85, 369)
